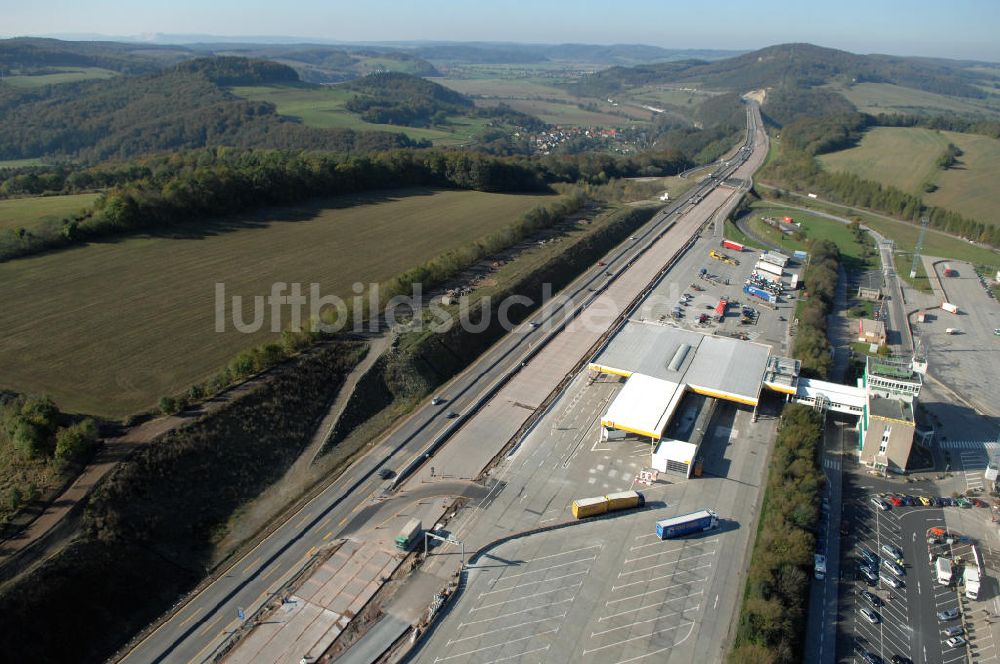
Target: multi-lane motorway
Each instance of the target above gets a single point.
(193, 632)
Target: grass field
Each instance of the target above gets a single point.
(567, 114)
(905, 234)
(856, 256)
(898, 156)
(878, 98)
(21, 163)
(109, 328)
(64, 75)
(505, 88)
(323, 107)
(904, 158)
(30, 212)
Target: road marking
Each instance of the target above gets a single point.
(685, 571)
(636, 638)
(572, 562)
(527, 652)
(649, 606)
(517, 599)
(669, 562)
(192, 616)
(643, 622)
(680, 548)
(501, 629)
(208, 628)
(514, 613)
(566, 553)
(534, 583)
(497, 645)
(252, 565)
(303, 520)
(650, 592)
(342, 522)
(327, 536)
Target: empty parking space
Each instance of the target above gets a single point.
(654, 600)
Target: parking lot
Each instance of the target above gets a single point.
(906, 622)
(970, 358)
(531, 595)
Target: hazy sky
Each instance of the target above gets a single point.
(955, 28)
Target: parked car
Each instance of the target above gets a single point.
(909, 501)
(893, 567)
(893, 551)
(870, 616)
(937, 502)
(437, 401)
(868, 575)
(978, 503)
(950, 614)
(386, 474)
(871, 658)
(955, 642)
(452, 415)
(899, 659)
(954, 630)
(879, 503)
(890, 581)
(945, 501)
(896, 501)
(872, 598)
(925, 501)
(963, 502)
(868, 555)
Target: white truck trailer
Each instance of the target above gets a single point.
(943, 567)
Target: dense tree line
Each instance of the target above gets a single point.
(811, 346)
(35, 53)
(773, 618)
(175, 109)
(957, 123)
(829, 133)
(788, 103)
(229, 70)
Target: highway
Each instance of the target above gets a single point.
(192, 633)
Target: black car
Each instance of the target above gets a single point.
(872, 598)
(386, 474)
(871, 658)
(899, 659)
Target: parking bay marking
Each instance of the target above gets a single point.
(636, 638)
(649, 606)
(502, 629)
(642, 622)
(497, 645)
(514, 613)
(669, 562)
(516, 599)
(650, 592)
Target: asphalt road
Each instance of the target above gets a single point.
(194, 631)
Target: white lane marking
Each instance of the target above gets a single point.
(660, 553)
(636, 638)
(507, 577)
(684, 571)
(650, 592)
(518, 599)
(650, 606)
(501, 629)
(669, 562)
(656, 652)
(527, 652)
(533, 583)
(514, 613)
(566, 553)
(643, 622)
(497, 645)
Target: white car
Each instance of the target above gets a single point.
(890, 581)
(879, 503)
(819, 565)
(894, 551)
(955, 642)
(870, 616)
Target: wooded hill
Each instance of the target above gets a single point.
(791, 65)
(184, 106)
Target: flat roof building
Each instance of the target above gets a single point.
(871, 331)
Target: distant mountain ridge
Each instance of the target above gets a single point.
(803, 65)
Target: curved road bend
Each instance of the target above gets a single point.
(196, 629)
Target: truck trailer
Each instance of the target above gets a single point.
(729, 244)
(774, 258)
(971, 581)
(760, 293)
(409, 534)
(949, 307)
(623, 500)
(678, 526)
(943, 567)
(771, 268)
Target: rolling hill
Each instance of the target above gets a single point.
(795, 65)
